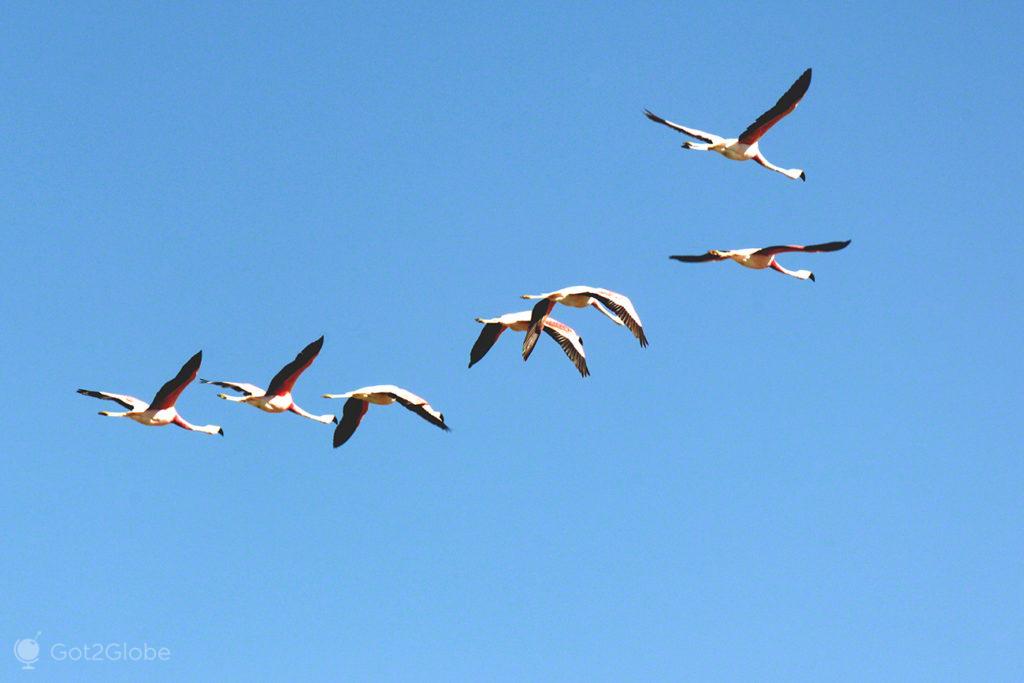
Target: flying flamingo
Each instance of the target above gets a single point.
(278, 396)
(160, 411)
(571, 343)
(745, 146)
(385, 394)
(580, 296)
(765, 257)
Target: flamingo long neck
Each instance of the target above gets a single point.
(799, 274)
(794, 173)
(206, 429)
(326, 419)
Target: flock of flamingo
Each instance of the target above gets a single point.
(277, 397)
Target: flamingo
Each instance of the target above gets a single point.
(765, 257)
(571, 343)
(160, 411)
(745, 146)
(278, 396)
(385, 394)
(581, 296)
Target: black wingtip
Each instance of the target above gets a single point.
(221, 431)
(528, 348)
(340, 437)
(811, 277)
(335, 420)
(803, 176)
(193, 363)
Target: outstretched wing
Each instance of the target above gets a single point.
(782, 248)
(351, 415)
(571, 343)
(692, 132)
(537, 316)
(285, 379)
(784, 106)
(170, 391)
(130, 402)
(419, 406)
(240, 387)
(701, 258)
(620, 305)
(488, 336)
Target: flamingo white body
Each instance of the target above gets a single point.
(745, 147)
(565, 336)
(161, 410)
(277, 398)
(622, 311)
(764, 257)
(359, 402)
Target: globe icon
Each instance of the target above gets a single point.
(26, 650)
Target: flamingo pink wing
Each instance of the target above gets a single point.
(786, 104)
(285, 379)
(171, 390)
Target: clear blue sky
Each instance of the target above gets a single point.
(795, 481)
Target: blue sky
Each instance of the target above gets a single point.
(795, 481)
